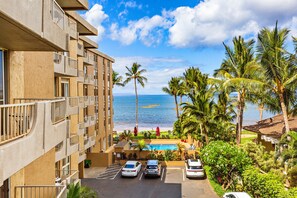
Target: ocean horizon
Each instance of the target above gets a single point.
(159, 111)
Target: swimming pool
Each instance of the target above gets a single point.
(161, 147)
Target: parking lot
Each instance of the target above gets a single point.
(172, 183)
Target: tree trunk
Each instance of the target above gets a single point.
(176, 106)
(285, 113)
(261, 109)
(239, 118)
(136, 101)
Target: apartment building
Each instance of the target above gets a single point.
(56, 98)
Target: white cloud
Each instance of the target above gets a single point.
(130, 4)
(210, 22)
(96, 16)
(214, 21)
(147, 30)
(159, 72)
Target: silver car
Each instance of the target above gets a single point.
(153, 168)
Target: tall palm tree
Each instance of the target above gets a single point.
(173, 89)
(135, 73)
(116, 79)
(238, 71)
(279, 67)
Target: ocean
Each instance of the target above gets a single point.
(159, 110)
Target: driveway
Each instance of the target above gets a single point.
(172, 183)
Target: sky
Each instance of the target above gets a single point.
(168, 36)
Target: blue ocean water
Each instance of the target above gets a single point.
(162, 114)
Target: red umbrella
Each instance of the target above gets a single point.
(135, 131)
(157, 131)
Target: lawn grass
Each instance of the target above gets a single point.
(247, 139)
(248, 132)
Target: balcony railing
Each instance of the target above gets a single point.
(16, 121)
(80, 49)
(40, 191)
(81, 76)
(58, 110)
(92, 100)
(82, 156)
(69, 176)
(72, 28)
(65, 65)
(58, 14)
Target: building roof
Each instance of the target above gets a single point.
(273, 127)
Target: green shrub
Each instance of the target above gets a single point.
(263, 185)
(168, 155)
(293, 176)
(226, 162)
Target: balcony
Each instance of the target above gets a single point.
(73, 4)
(72, 144)
(96, 82)
(96, 100)
(80, 50)
(88, 58)
(33, 128)
(88, 43)
(72, 105)
(92, 120)
(87, 121)
(82, 156)
(91, 100)
(81, 101)
(41, 30)
(32, 191)
(92, 140)
(64, 65)
(81, 128)
(72, 28)
(61, 152)
(86, 100)
(89, 79)
(89, 142)
(68, 176)
(83, 27)
(81, 76)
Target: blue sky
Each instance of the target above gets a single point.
(168, 36)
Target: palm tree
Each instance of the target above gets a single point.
(73, 191)
(135, 73)
(173, 88)
(180, 149)
(279, 67)
(116, 79)
(238, 71)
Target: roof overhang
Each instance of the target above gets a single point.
(102, 55)
(83, 27)
(73, 4)
(88, 43)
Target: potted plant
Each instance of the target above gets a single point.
(88, 163)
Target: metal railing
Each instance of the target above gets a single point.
(16, 121)
(72, 27)
(73, 101)
(74, 140)
(57, 14)
(51, 191)
(58, 109)
(72, 63)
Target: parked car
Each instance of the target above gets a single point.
(153, 168)
(194, 169)
(236, 195)
(131, 169)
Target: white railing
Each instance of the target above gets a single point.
(73, 101)
(16, 121)
(39, 191)
(80, 49)
(74, 140)
(58, 110)
(57, 14)
(72, 27)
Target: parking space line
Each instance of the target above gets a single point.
(117, 173)
(183, 170)
(172, 168)
(162, 174)
(140, 176)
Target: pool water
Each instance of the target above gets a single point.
(161, 147)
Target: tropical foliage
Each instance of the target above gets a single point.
(116, 79)
(77, 191)
(226, 162)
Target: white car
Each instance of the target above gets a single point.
(236, 195)
(194, 169)
(131, 169)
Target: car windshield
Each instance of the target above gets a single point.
(195, 167)
(129, 166)
(152, 167)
